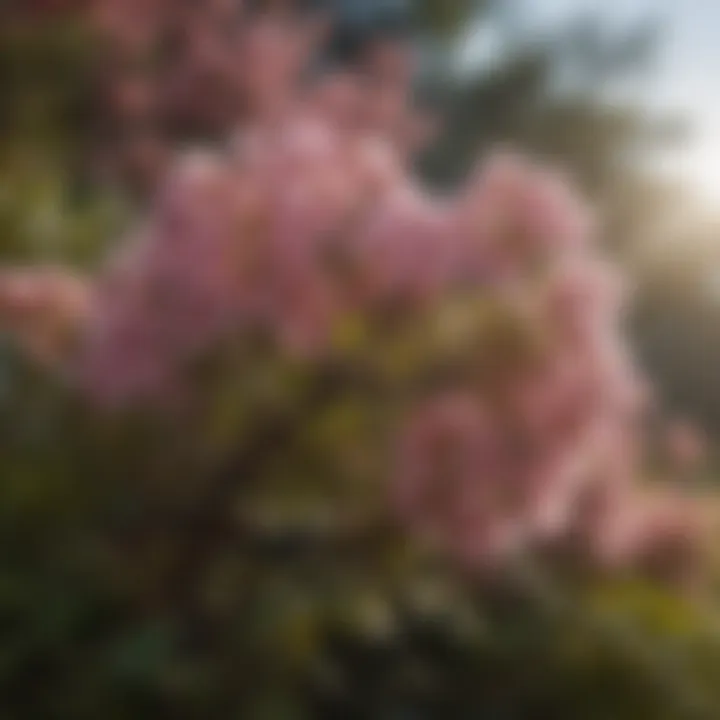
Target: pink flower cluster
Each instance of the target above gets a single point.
(311, 216)
(44, 309)
(552, 455)
(307, 216)
(172, 71)
(489, 470)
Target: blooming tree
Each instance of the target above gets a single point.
(340, 352)
(522, 399)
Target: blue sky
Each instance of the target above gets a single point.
(689, 57)
(687, 73)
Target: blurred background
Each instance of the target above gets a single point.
(618, 93)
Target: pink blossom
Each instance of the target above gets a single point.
(44, 308)
(685, 445)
